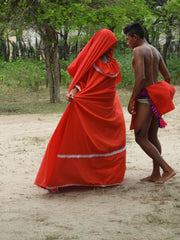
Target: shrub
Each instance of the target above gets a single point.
(173, 65)
(24, 73)
(65, 78)
(126, 68)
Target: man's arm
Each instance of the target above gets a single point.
(139, 73)
(163, 70)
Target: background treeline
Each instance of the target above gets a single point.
(46, 36)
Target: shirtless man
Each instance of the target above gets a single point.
(146, 62)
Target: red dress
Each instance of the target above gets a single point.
(88, 147)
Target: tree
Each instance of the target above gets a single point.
(73, 22)
(165, 20)
(50, 18)
(171, 23)
(4, 21)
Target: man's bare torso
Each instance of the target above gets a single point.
(151, 58)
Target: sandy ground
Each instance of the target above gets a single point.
(135, 210)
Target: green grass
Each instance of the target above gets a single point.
(177, 205)
(22, 85)
(21, 100)
(173, 65)
(151, 218)
(23, 73)
(23, 88)
(52, 237)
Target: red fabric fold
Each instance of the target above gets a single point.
(161, 96)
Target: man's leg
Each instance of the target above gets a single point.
(142, 124)
(153, 138)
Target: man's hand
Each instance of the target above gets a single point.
(131, 107)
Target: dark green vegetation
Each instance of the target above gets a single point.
(23, 85)
(23, 89)
(38, 40)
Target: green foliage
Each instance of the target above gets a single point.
(173, 65)
(23, 73)
(87, 16)
(65, 78)
(177, 205)
(173, 8)
(127, 73)
(30, 74)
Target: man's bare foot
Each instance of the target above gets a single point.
(166, 176)
(151, 179)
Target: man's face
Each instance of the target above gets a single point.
(131, 41)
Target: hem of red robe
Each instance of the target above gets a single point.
(115, 178)
(61, 187)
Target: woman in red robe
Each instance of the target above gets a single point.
(88, 147)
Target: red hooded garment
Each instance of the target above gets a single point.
(88, 147)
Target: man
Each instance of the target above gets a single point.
(147, 62)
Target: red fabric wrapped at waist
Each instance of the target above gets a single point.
(160, 96)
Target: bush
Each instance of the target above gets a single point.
(24, 73)
(126, 68)
(173, 65)
(31, 74)
(65, 78)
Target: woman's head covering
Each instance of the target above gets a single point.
(94, 49)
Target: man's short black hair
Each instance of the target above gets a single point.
(134, 28)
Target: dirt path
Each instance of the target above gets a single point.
(135, 210)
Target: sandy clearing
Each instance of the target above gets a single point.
(135, 210)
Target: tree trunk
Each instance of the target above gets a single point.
(49, 72)
(166, 45)
(66, 47)
(8, 49)
(56, 68)
(76, 45)
(50, 40)
(4, 50)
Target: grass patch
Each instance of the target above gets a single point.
(151, 218)
(17, 100)
(22, 84)
(23, 73)
(52, 237)
(173, 65)
(177, 205)
(59, 237)
(22, 89)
